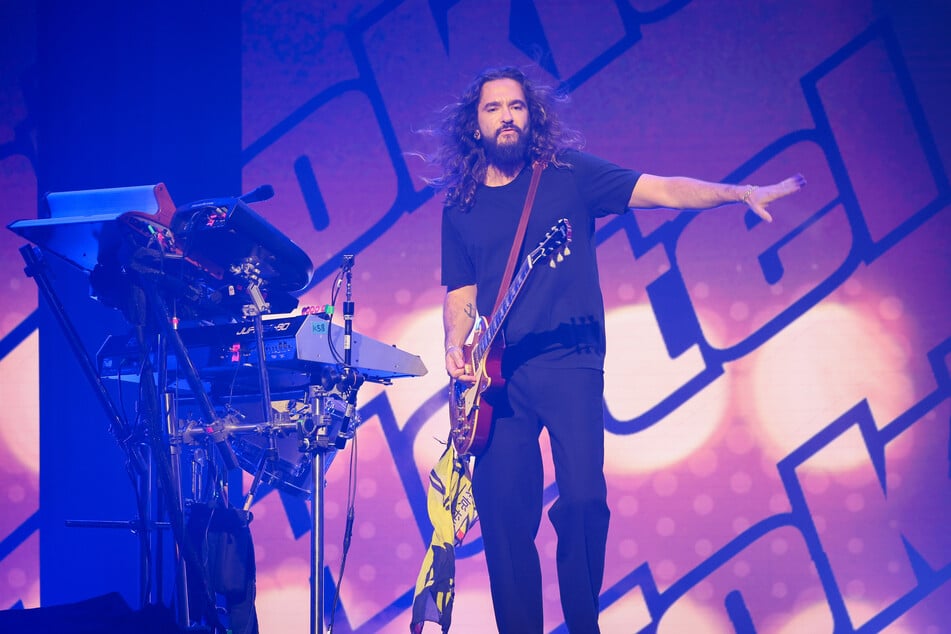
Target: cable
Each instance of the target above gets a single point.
(335, 291)
(348, 532)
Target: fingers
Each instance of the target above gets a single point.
(456, 366)
(454, 369)
(794, 183)
(768, 194)
(462, 375)
(760, 210)
(762, 196)
(784, 188)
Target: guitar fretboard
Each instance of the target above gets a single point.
(485, 341)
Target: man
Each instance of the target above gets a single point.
(501, 131)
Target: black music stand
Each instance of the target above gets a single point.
(103, 232)
(89, 228)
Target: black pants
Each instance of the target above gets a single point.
(508, 482)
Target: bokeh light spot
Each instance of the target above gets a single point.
(665, 484)
(638, 374)
(703, 504)
(666, 527)
(807, 377)
(741, 482)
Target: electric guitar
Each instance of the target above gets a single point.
(470, 414)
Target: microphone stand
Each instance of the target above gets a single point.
(348, 311)
(319, 466)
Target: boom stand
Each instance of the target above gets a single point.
(318, 468)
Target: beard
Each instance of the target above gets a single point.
(508, 156)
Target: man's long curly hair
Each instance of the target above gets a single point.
(462, 157)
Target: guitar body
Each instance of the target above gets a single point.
(470, 404)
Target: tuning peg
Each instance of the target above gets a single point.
(551, 263)
(560, 258)
(566, 250)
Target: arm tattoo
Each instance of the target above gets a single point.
(470, 311)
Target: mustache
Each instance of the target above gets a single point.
(506, 128)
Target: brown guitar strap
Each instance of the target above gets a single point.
(537, 169)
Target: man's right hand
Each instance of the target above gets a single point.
(456, 365)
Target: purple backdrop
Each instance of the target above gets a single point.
(777, 395)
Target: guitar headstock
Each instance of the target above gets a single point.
(554, 245)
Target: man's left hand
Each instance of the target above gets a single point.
(760, 197)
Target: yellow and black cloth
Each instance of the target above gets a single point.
(452, 513)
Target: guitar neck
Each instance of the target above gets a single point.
(495, 324)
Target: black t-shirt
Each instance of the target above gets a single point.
(558, 318)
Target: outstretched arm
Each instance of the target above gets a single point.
(458, 318)
(678, 192)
